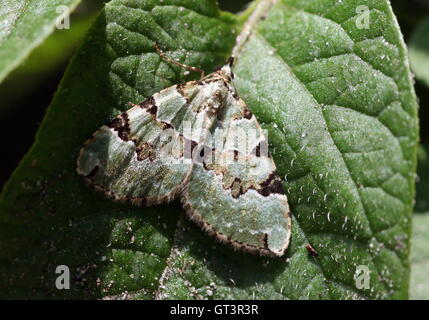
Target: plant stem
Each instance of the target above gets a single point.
(261, 10)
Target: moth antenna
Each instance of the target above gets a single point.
(132, 104)
(170, 60)
(230, 61)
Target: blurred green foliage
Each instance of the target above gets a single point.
(50, 57)
(419, 51)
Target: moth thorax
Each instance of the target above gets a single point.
(215, 102)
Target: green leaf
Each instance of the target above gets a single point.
(52, 54)
(56, 49)
(419, 286)
(419, 51)
(342, 118)
(24, 24)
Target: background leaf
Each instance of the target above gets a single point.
(24, 25)
(419, 289)
(419, 51)
(29, 88)
(341, 113)
(419, 283)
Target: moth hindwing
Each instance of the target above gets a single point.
(197, 141)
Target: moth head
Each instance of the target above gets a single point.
(226, 71)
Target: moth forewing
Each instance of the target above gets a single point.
(123, 158)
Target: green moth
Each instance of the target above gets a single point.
(197, 141)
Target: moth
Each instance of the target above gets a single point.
(199, 142)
